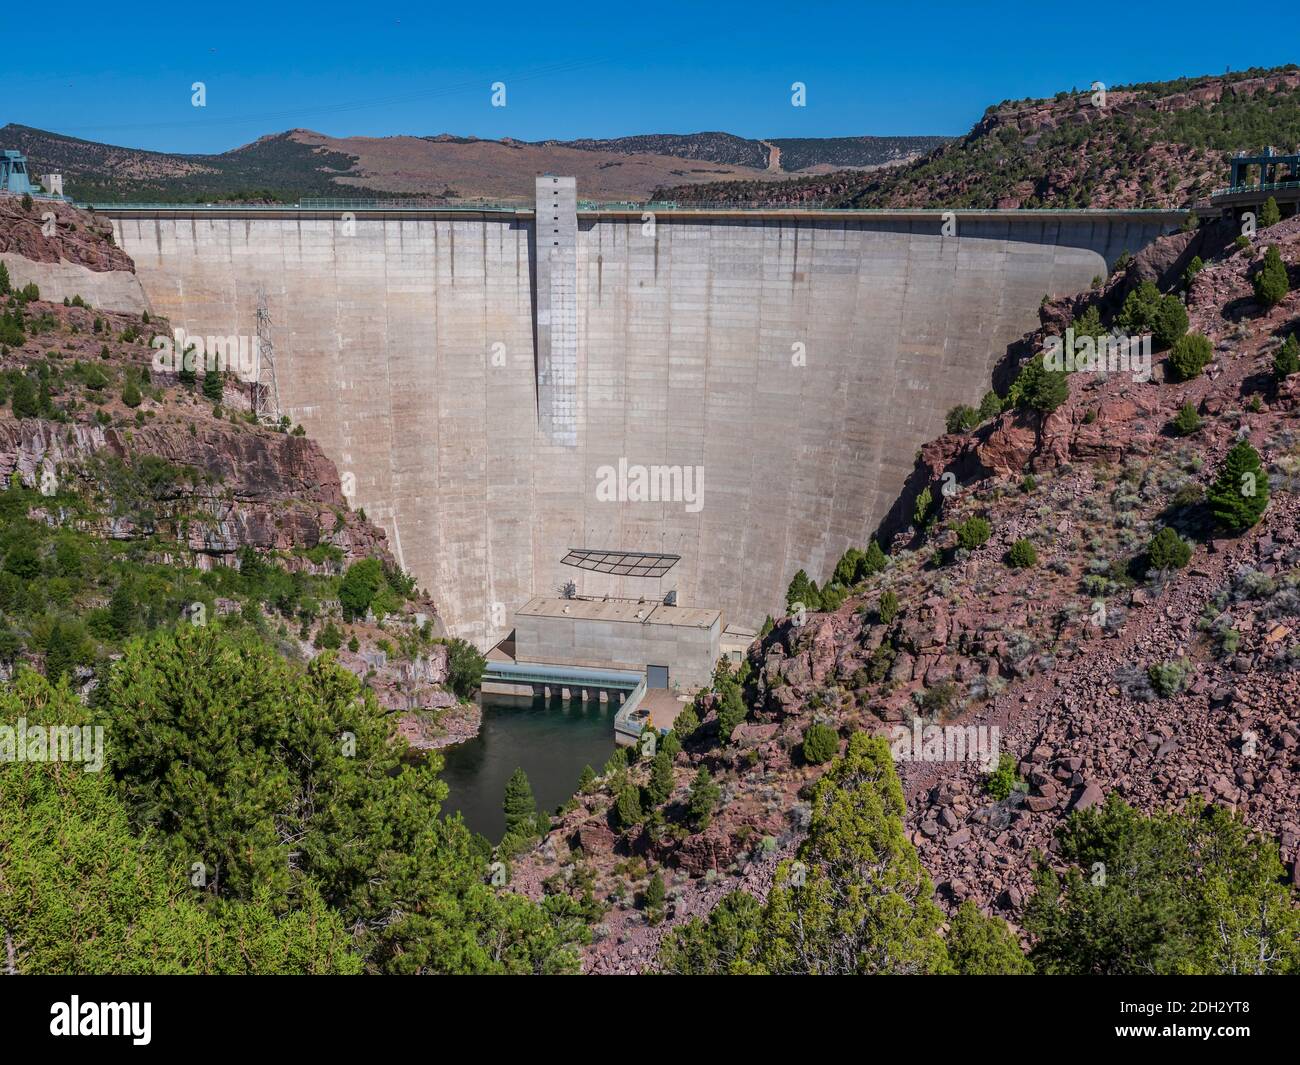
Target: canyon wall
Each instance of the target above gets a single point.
(790, 364)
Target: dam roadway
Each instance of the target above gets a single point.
(794, 359)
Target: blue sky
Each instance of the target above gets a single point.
(123, 74)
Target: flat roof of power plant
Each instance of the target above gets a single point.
(624, 610)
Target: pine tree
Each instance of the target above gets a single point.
(1239, 495)
(661, 779)
(1287, 360)
(1270, 214)
(873, 561)
(704, 798)
(520, 807)
(131, 394)
(1270, 281)
(213, 385)
(25, 402)
(984, 946)
(121, 611)
(5, 285)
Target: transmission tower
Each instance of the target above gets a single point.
(266, 392)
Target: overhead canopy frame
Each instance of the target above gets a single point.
(620, 563)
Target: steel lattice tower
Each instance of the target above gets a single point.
(266, 392)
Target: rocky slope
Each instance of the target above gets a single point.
(129, 453)
(1163, 144)
(1058, 656)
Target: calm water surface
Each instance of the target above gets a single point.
(551, 740)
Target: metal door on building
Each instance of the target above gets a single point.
(656, 676)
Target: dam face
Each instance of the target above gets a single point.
(503, 387)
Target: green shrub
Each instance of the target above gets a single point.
(1022, 555)
(1287, 360)
(1169, 678)
(973, 532)
(1003, 780)
(1038, 388)
(1189, 355)
(1270, 281)
(961, 419)
(360, 585)
(821, 743)
(887, 609)
(1168, 550)
(627, 806)
(1239, 495)
(921, 509)
(704, 798)
(1270, 214)
(1193, 268)
(1186, 421)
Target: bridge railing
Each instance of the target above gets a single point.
(1272, 186)
(627, 723)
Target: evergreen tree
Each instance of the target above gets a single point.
(131, 393)
(237, 758)
(655, 895)
(857, 900)
(82, 893)
(1189, 356)
(24, 400)
(984, 946)
(1239, 495)
(887, 609)
(801, 591)
(873, 560)
(586, 779)
(519, 805)
(627, 806)
(1270, 281)
(921, 508)
(1287, 360)
(1270, 214)
(5, 285)
(704, 798)
(821, 743)
(1168, 550)
(213, 385)
(360, 584)
(1189, 892)
(121, 611)
(1186, 422)
(661, 779)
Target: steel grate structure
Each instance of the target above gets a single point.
(620, 563)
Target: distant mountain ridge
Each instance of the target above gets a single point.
(299, 162)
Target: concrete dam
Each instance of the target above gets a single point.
(746, 389)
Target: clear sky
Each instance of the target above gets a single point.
(123, 73)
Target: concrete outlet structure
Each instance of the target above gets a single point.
(744, 389)
(675, 647)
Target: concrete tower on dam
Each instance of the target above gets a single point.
(503, 385)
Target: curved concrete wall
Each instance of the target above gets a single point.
(798, 362)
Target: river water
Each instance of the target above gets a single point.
(552, 741)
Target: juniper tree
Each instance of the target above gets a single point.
(1239, 495)
(1270, 281)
